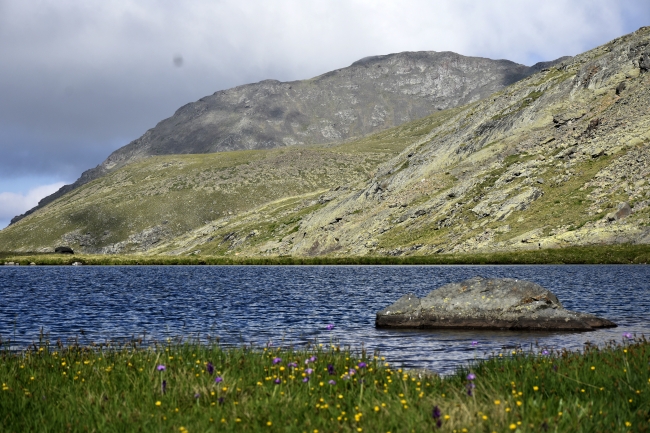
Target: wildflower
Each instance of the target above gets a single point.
(312, 359)
(277, 360)
(352, 371)
(471, 376)
(309, 370)
(221, 400)
(497, 402)
(197, 395)
(209, 367)
(163, 385)
(330, 327)
(332, 382)
(158, 403)
(513, 426)
(535, 388)
(628, 335)
(474, 343)
(306, 379)
(628, 424)
(330, 369)
(362, 365)
(292, 365)
(437, 416)
(544, 352)
(277, 381)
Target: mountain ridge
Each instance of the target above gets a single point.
(560, 158)
(359, 101)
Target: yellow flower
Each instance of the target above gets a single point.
(158, 403)
(269, 423)
(628, 424)
(485, 417)
(497, 402)
(535, 388)
(447, 417)
(513, 426)
(376, 408)
(559, 413)
(519, 403)
(593, 368)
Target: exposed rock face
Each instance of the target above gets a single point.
(373, 94)
(480, 303)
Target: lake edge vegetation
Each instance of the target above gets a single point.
(188, 386)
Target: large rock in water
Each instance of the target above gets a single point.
(480, 303)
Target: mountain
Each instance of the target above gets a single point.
(559, 158)
(371, 95)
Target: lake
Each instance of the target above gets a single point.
(283, 305)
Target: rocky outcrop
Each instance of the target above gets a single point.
(479, 303)
(63, 250)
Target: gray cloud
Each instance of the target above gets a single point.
(80, 79)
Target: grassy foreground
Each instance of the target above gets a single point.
(193, 387)
(598, 254)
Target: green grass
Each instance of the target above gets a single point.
(120, 388)
(598, 254)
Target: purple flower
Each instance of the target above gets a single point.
(474, 343)
(277, 381)
(628, 335)
(210, 368)
(471, 376)
(330, 369)
(306, 379)
(437, 415)
(352, 371)
(332, 382)
(277, 360)
(309, 370)
(197, 395)
(330, 327)
(220, 400)
(470, 386)
(544, 352)
(292, 365)
(161, 368)
(163, 385)
(218, 379)
(313, 359)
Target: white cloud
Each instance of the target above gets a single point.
(12, 204)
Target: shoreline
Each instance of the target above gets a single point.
(595, 255)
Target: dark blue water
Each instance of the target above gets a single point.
(293, 305)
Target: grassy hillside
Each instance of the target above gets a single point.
(559, 159)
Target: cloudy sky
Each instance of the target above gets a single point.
(79, 79)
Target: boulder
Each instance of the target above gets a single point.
(622, 211)
(63, 250)
(480, 303)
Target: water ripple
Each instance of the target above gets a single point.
(293, 305)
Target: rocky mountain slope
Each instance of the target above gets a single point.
(371, 95)
(559, 158)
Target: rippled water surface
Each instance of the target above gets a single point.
(293, 305)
